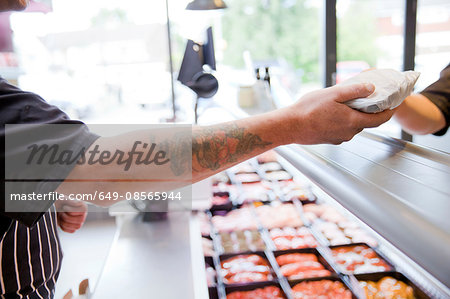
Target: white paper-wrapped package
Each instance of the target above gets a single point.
(391, 88)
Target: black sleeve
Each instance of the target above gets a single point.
(439, 94)
(28, 120)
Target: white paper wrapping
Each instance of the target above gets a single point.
(391, 88)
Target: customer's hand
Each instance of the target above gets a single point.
(71, 215)
(321, 116)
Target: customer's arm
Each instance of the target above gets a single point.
(418, 115)
(318, 117)
(429, 111)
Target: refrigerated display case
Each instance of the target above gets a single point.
(396, 192)
(389, 198)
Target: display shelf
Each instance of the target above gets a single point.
(151, 258)
(400, 190)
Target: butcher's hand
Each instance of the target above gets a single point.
(71, 215)
(323, 117)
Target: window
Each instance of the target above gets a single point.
(432, 54)
(370, 34)
(97, 59)
(282, 34)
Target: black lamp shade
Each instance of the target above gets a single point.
(206, 5)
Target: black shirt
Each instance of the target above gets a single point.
(439, 94)
(29, 246)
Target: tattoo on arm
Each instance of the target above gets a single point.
(213, 148)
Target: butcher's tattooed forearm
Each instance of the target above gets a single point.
(212, 148)
(215, 147)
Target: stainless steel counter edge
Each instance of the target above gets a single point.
(385, 212)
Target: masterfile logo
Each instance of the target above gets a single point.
(52, 154)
